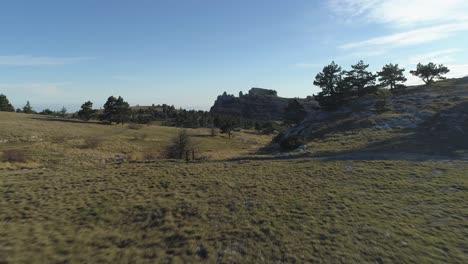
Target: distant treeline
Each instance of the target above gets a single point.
(117, 111)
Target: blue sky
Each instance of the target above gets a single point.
(186, 52)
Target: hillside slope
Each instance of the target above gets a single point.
(48, 139)
(74, 202)
(422, 119)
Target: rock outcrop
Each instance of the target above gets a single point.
(257, 104)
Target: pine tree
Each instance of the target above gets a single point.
(331, 81)
(123, 111)
(63, 112)
(86, 112)
(430, 73)
(5, 105)
(27, 109)
(359, 81)
(226, 124)
(116, 110)
(392, 77)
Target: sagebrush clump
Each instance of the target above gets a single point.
(291, 142)
(14, 156)
(92, 142)
(135, 126)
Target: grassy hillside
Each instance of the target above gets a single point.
(62, 141)
(422, 120)
(76, 201)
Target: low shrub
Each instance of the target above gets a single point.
(92, 142)
(135, 126)
(139, 137)
(291, 142)
(14, 156)
(150, 155)
(381, 106)
(277, 138)
(59, 139)
(384, 102)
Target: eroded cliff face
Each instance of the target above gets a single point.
(258, 103)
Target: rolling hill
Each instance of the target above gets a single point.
(87, 192)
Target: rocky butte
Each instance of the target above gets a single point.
(258, 104)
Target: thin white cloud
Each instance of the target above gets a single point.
(457, 70)
(417, 22)
(402, 13)
(41, 89)
(412, 37)
(26, 60)
(359, 55)
(351, 7)
(439, 56)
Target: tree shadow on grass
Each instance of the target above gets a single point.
(403, 149)
(443, 137)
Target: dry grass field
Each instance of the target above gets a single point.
(88, 193)
(63, 141)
